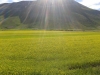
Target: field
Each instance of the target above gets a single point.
(49, 53)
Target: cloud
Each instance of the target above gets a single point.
(94, 4)
(9, 1)
(3, 1)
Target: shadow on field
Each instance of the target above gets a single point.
(84, 65)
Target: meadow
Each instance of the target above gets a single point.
(49, 53)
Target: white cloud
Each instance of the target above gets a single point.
(7, 1)
(3, 1)
(91, 3)
(95, 6)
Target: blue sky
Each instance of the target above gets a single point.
(94, 4)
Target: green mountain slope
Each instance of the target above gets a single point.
(51, 15)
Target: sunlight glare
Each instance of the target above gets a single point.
(51, 1)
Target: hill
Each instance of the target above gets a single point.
(47, 14)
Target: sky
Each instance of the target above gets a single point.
(94, 4)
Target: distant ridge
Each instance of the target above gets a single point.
(50, 15)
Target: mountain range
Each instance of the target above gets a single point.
(49, 15)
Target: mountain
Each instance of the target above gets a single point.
(48, 14)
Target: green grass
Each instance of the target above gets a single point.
(49, 53)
